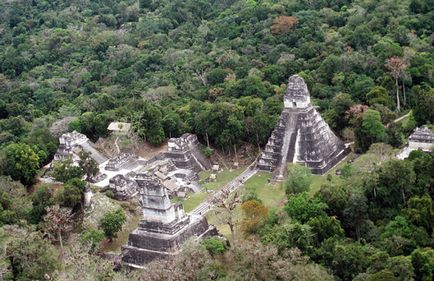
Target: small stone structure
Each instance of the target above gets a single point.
(122, 187)
(120, 128)
(122, 161)
(300, 136)
(422, 138)
(70, 144)
(185, 153)
(164, 227)
(67, 142)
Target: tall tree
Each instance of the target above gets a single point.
(301, 207)
(254, 214)
(396, 183)
(66, 170)
(58, 222)
(226, 204)
(148, 124)
(87, 164)
(299, 179)
(30, 257)
(396, 66)
(21, 162)
(370, 130)
(112, 222)
(424, 103)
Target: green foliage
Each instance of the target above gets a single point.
(41, 198)
(338, 107)
(396, 183)
(423, 263)
(423, 165)
(42, 142)
(302, 208)
(424, 102)
(92, 237)
(395, 136)
(346, 171)
(87, 164)
(388, 268)
(299, 179)
(346, 259)
(216, 69)
(148, 124)
(336, 198)
(112, 222)
(172, 124)
(93, 124)
(208, 152)
(216, 76)
(30, 257)
(400, 227)
(289, 236)
(214, 245)
(379, 95)
(420, 212)
(324, 227)
(355, 213)
(371, 130)
(21, 162)
(66, 170)
(71, 196)
(14, 204)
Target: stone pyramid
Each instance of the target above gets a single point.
(301, 136)
(164, 227)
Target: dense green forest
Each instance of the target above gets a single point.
(218, 68)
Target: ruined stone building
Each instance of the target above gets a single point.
(119, 128)
(300, 136)
(122, 161)
(176, 169)
(185, 153)
(70, 144)
(123, 187)
(164, 227)
(422, 139)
